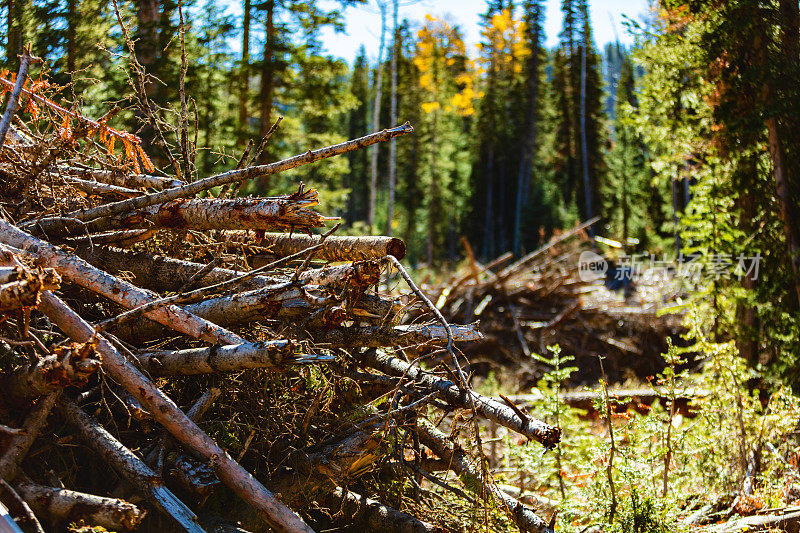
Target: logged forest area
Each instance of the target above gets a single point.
(474, 278)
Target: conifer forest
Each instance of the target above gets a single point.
(477, 275)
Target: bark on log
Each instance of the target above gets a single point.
(165, 274)
(337, 248)
(460, 463)
(488, 407)
(70, 506)
(129, 466)
(130, 181)
(18, 445)
(264, 304)
(69, 366)
(175, 421)
(11, 273)
(378, 336)
(274, 355)
(365, 514)
(241, 213)
(78, 271)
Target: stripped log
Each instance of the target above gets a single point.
(365, 514)
(337, 248)
(174, 420)
(273, 355)
(70, 506)
(69, 365)
(78, 271)
(378, 336)
(490, 408)
(19, 444)
(129, 466)
(120, 179)
(460, 463)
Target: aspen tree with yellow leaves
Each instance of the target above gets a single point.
(446, 83)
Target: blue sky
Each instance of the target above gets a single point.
(363, 23)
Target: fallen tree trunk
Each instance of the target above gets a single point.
(378, 336)
(175, 421)
(128, 466)
(166, 274)
(490, 408)
(458, 461)
(70, 506)
(336, 248)
(273, 355)
(78, 271)
(265, 304)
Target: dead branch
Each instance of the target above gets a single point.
(371, 515)
(119, 179)
(232, 176)
(101, 189)
(487, 407)
(458, 461)
(70, 506)
(13, 102)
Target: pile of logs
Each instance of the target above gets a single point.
(170, 365)
(539, 300)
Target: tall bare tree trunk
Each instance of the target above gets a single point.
(244, 73)
(72, 21)
(524, 176)
(268, 74)
(15, 29)
(788, 205)
(373, 170)
(587, 186)
(393, 120)
(147, 18)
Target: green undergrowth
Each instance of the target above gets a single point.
(665, 460)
